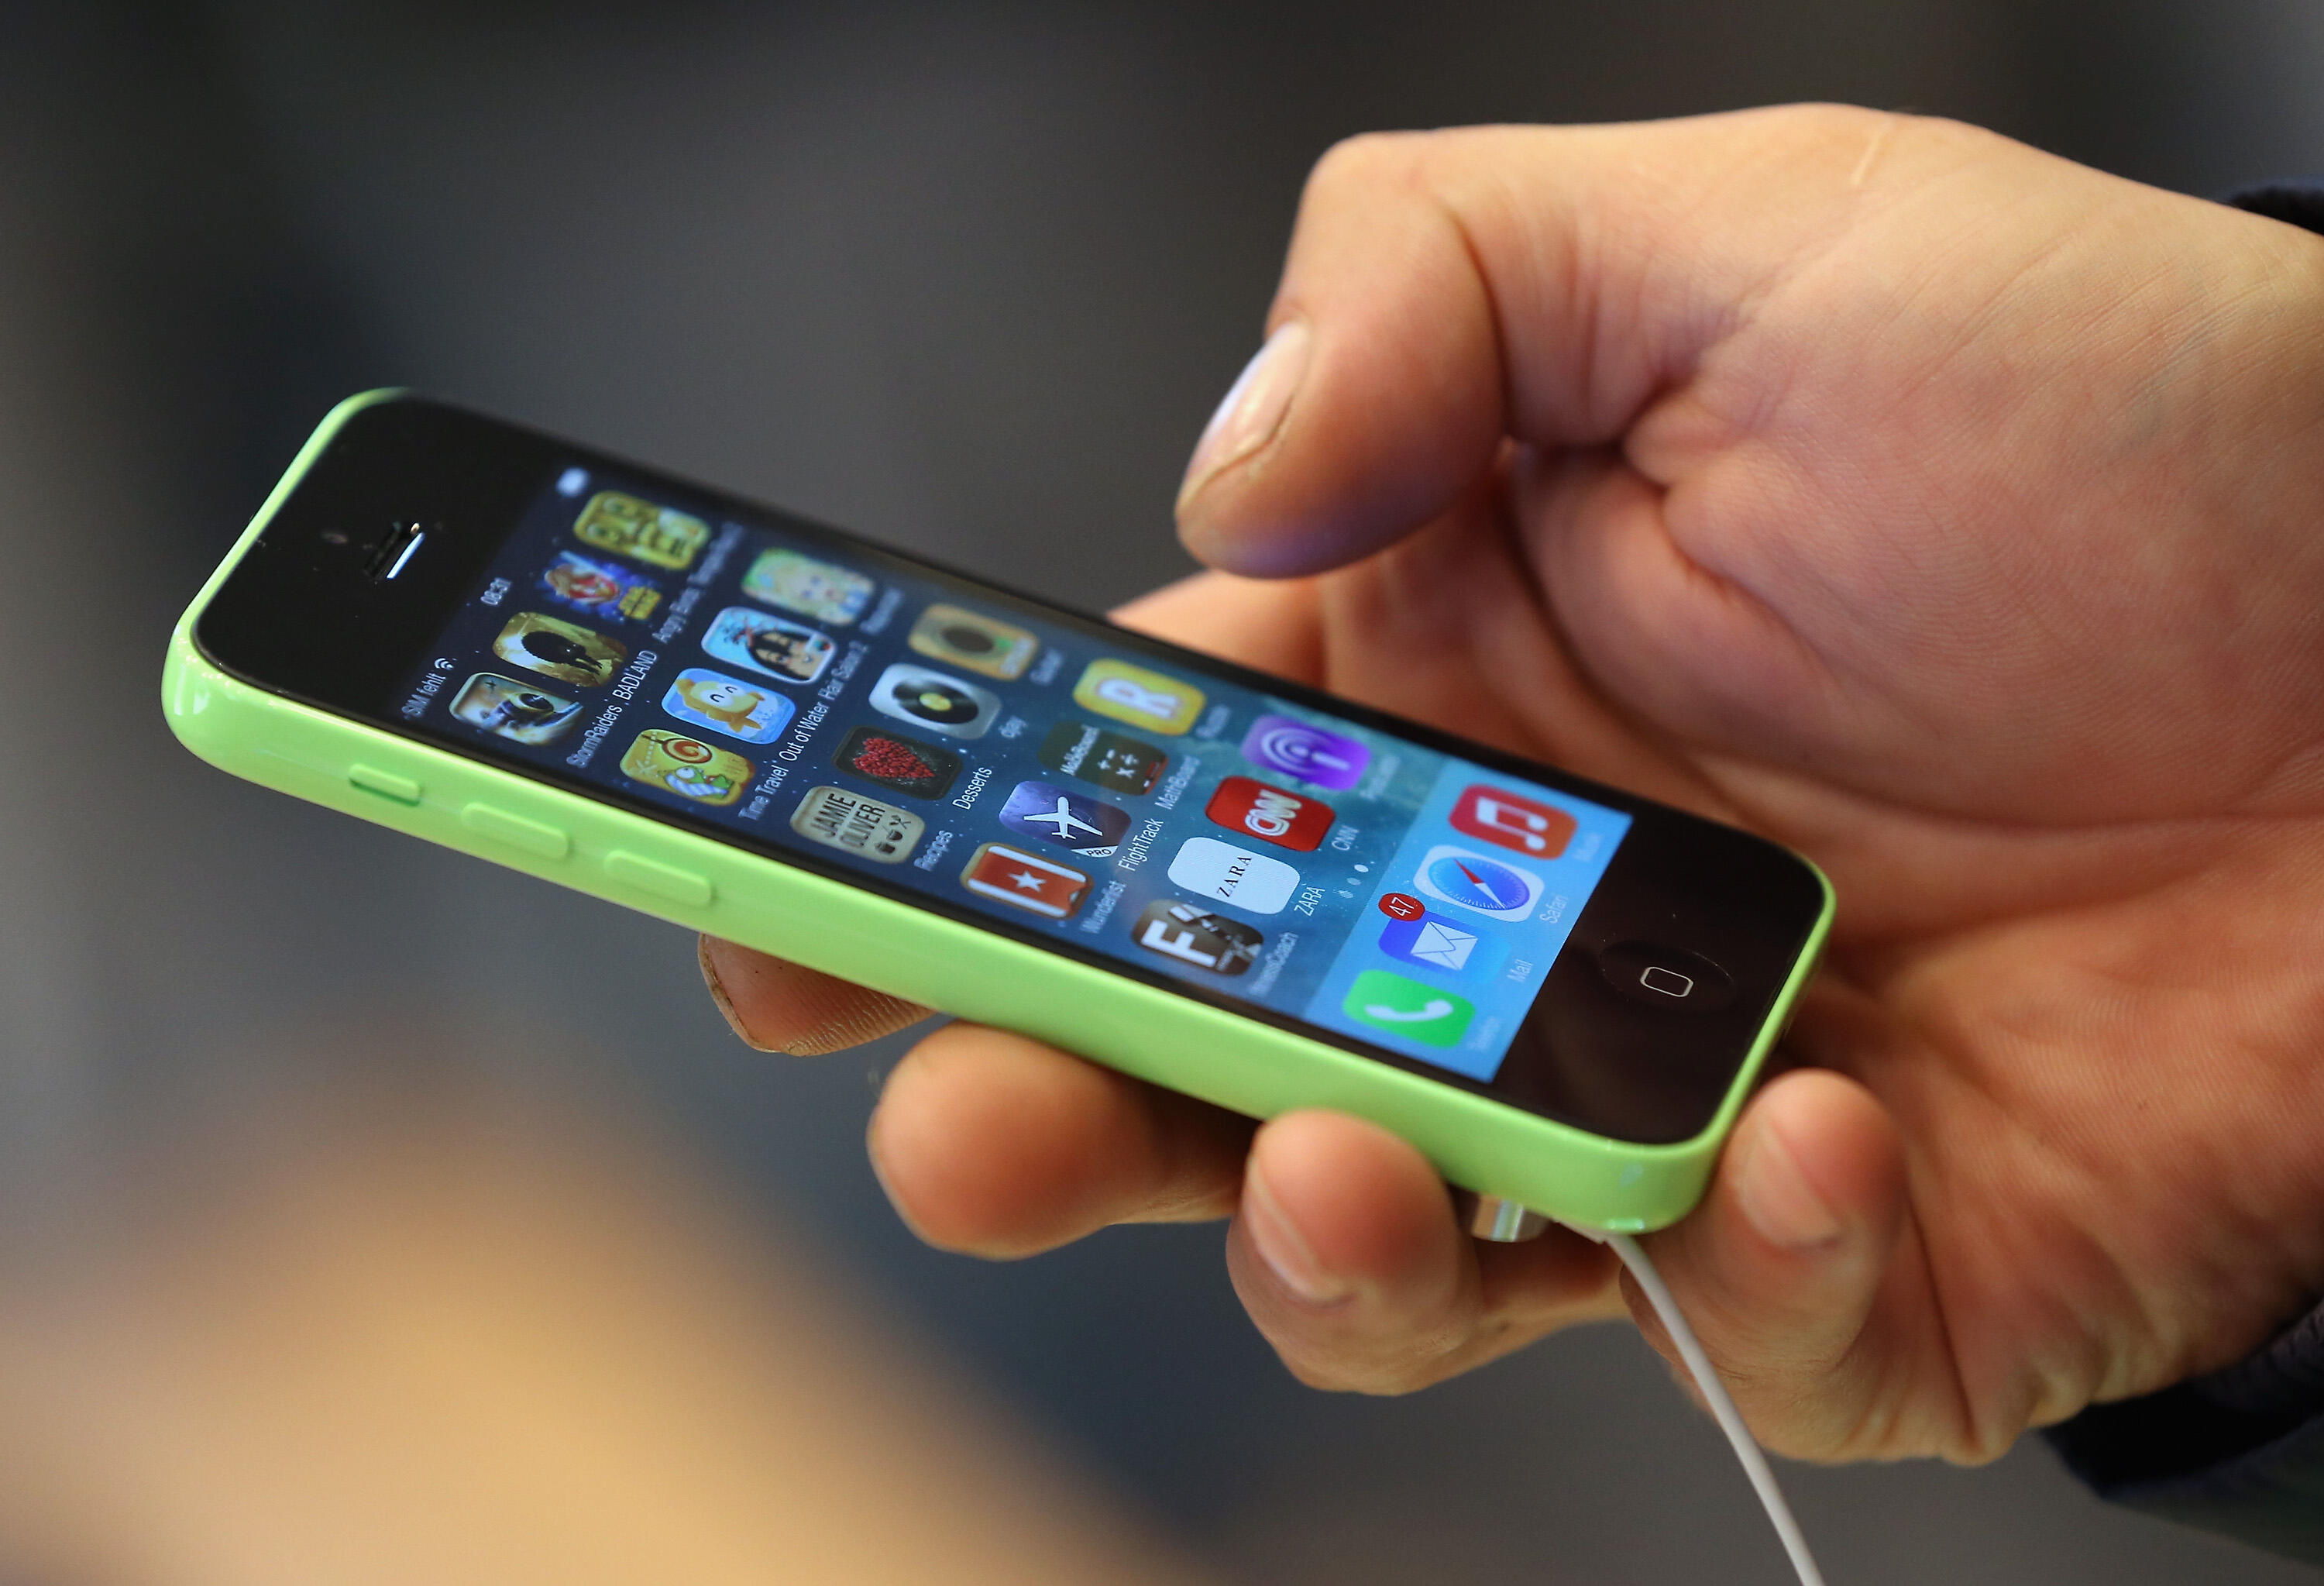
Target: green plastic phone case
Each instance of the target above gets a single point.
(705, 885)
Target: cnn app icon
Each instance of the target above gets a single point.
(1507, 820)
(1271, 814)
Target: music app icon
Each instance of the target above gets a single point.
(1508, 820)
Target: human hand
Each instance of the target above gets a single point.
(1929, 504)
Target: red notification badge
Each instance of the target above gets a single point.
(1402, 906)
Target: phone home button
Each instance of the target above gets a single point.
(1670, 980)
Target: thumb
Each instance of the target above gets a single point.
(1780, 1269)
(1447, 289)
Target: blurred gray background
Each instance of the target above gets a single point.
(967, 277)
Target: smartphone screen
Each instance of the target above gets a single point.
(807, 694)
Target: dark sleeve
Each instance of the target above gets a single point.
(2241, 1452)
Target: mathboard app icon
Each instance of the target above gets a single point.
(752, 711)
(1234, 875)
(1298, 749)
(870, 828)
(898, 763)
(1272, 815)
(825, 591)
(599, 590)
(1047, 811)
(1433, 942)
(1493, 814)
(1471, 881)
(764, 642)
(1191, 933)
(1152, 700)
(985, 645)
(687, 767)
(1023, 880)
(949, 706)
(559, 649)
(513, 709)
(1109, 760)
(1406, 1008)
(640, 530)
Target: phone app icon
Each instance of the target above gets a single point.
(1045, 810)
(751, 712)
(1471, 881)
(513, 709)
(1191, 934)
(868, 828)
(898, 763)
(559, 649)
(599, 589)
(762, 641)
(1433, 942)
(985, 645)
(1234, 875)
(1406, 1008)
(1011, 875)
(1109, 760)
(941, 704)
(1146, 699)
(1511, 820)
(825, 591)
(640, 530)
(1296, 749)
(687, 767)
(1271, 814)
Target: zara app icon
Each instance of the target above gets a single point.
(1249, 880)
(1467, 879)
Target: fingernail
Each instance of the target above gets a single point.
(1286, 1251)
(725, 1005)
(1778, 1199)
(1253, 409)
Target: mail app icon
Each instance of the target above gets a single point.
(1434, 942)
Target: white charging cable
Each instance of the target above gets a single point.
(1715, 1394)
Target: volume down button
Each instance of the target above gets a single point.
(515, 831)
(663, 881)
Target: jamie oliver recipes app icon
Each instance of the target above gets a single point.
(628, 526)
(1092, 754)
(1188, 933)
(1300, 749)
(825, 591)
(1296, 821)
(762, 641)
(559, 649)
(1511, 820)
(1405, 1007)
(898, 763)
(941, 704)
(752, 711)
(869, 828)
(1463, 877)
(601, 590)
(1249, 880)
(687, 767)
(985, 645)
(1047, 811)
(1152, 700)
(513, 709)
(1430, 940)
(1024, 879)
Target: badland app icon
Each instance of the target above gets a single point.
(1272, 815)
(1250, 882)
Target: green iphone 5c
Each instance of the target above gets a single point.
(1217, 881)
